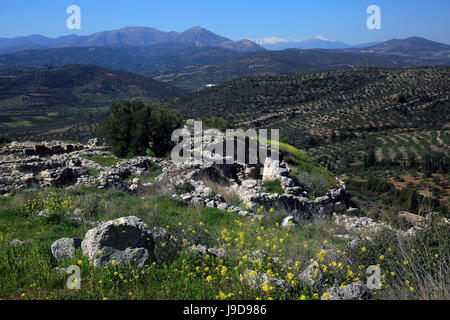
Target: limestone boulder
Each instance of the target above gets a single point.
(126, 240)
(65, 248)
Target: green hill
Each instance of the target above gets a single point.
(28, 88)
(44, 100)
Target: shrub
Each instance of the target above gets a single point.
(4, 140)
(106, 161)
(50, 205)
(150, 153)
(133, 126)
(415, 267)
(314, 183)
(216, 123)
(300, 162)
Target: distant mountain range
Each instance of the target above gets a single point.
(155, 60)
(200, 37)
(408, 46)
(316, 42)
(413, 50)
(198, 57)
(394, 46)
(134, 36)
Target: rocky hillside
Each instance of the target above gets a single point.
(150, 228)
(55, 164)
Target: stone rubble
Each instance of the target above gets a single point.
(366, 224)
(358, 224)
(56, 164)
(353, 291)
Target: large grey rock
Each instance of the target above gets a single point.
(125, 240)
(358, 224)
(59, 177)
(28, 178)
(222, 206)
(311, 276)
(289, 222)
(354, 290)
(271, 169)
(211, 204)
(65, 248)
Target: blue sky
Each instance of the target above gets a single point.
(342, 20)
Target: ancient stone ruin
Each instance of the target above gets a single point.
(57, 164)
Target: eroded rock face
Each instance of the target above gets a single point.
(65, 248)
(126, 240)
(59, 177)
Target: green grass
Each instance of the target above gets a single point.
(41, 118)
(305, 163)
(300, 162)
(273, 187)
(184, 277)
(94, 172)
(106, 161)
(26, 271)
(19, 124)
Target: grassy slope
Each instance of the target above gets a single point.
(305, 163)
(300, 162)
(26, 272)
(196, 225)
